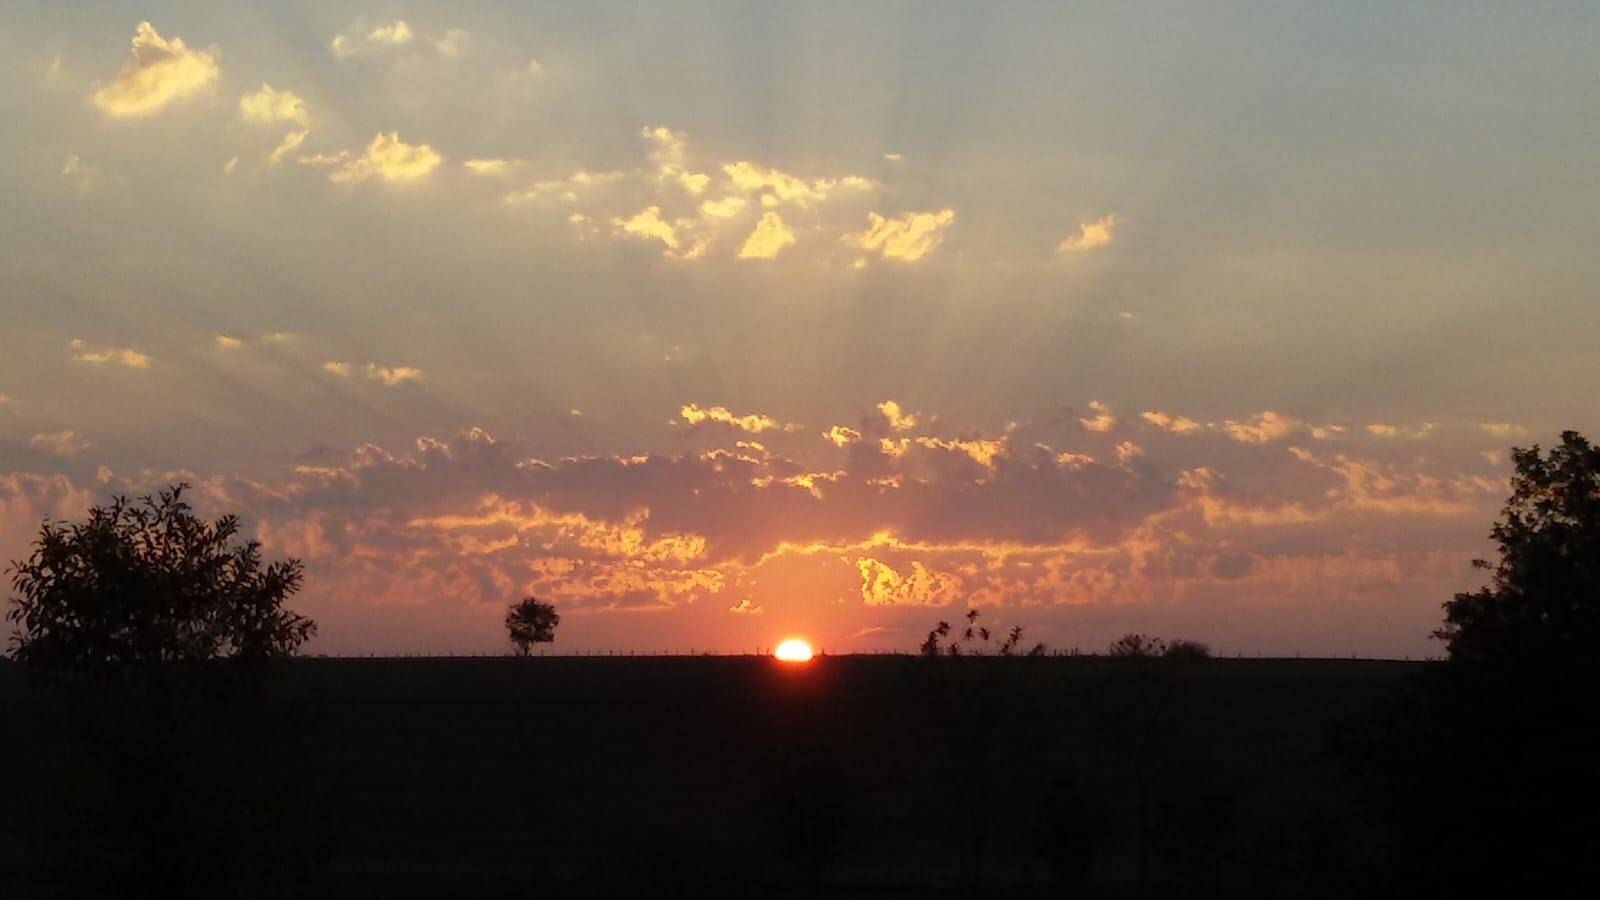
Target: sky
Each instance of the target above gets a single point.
(720, 323)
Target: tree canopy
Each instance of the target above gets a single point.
(1543, 600)
(531, 621)
(147, 581)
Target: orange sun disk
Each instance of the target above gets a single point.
(793, 650)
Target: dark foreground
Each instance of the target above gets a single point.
(710, 776)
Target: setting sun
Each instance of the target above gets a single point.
(793, 650)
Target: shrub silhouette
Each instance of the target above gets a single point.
(531, 621)
(147, 582)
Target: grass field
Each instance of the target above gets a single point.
(730, 776)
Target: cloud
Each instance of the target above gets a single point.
(920, 586)
(768, 239)
(160, 72)
(489, 167)
(908, 238)
(841, 436)
(389, 158)
(290, 142)
(455, 42)
(1385, 430)
(1169, 422)
(80, 173)
(229, 343)
(1268, 426)
(267, 105)
(95, 356)
(389, 376)
(1501, 429)
(59, 443)
(755, 423)
(395, 34)
(1102, 420)
(897, 418)
(776, 187)
(1090, 236)
(477, 519)
(746, 606)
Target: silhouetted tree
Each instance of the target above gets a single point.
(531, 621)
(974, 640)
(1542, 604)
(970, 702)
(1187, 650)
(1482, 771)
(1134, 645)
(180, 783)
(147, 582)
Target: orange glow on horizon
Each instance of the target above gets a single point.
(793, 650)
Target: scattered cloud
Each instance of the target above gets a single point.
(1101, 421)
(1090, 236)
(387, 157)
(62, 443)
(1171, 422)
(289, 144)
(160, 72)
(908, 238)
(898, 418)
(768, 239)
(389, 376)
(841, 436)
(394, 34)
(228, 343)
(83, 175)
(1268, 426)
(268, 105)
(489, 167)
(881, 585)
(120, 356)
(746, 606)
(755, 423)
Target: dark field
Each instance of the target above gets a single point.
(740, 776)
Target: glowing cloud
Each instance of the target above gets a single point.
(389, 158)
(908, 239)
(768, 239)
(95, 356)
(755, 423)
(268, 105)
(1090, 236)
(1102, 420)
(841, 436)
(1168, 422)
(160, 72)
(389, 376)
(898, 419)
(1268, 426)
(881, 585)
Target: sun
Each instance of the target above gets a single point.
(793, 650)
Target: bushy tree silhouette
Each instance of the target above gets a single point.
(1542, 604)
(182, 780)
(1482, 772)
(148, 582)
(531, 621)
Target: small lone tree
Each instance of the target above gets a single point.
(147, 582)
(531, 621)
